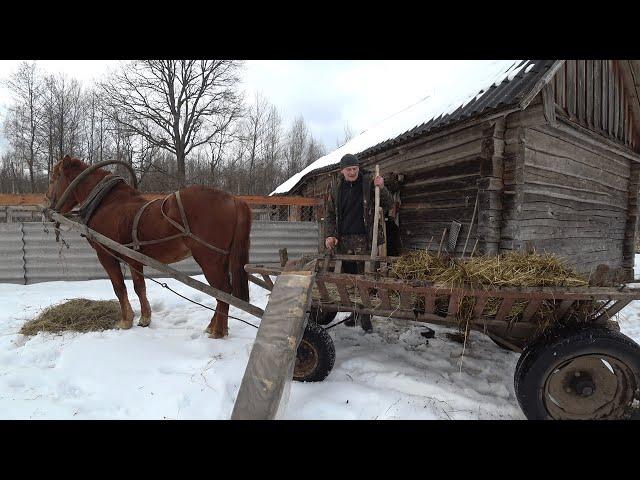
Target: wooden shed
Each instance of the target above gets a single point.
(549, 147)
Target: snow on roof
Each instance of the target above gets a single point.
(470, 89)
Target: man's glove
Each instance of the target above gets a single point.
(330, 242)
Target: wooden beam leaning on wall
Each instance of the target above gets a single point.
(490, 188)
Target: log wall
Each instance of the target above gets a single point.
(565, 192)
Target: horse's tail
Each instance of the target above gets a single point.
(239, 252)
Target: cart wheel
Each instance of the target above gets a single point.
(321, 317)
(316, 355)
(579, 374)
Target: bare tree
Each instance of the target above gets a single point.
(315, 150)
(25, 86)
(218, 150)
(346, 136)
(177, 105)
(273, 151)
(301, 148)
(296, 146)
(254, 133)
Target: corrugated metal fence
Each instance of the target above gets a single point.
(30, 254)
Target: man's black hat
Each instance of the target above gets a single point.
(349, 160)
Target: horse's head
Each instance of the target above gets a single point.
(63, 174)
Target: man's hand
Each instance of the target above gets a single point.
(378, 181)
(330, 242)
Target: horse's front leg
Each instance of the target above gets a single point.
(141, 290)
(112, 267)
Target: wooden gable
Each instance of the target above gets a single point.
(600, 95)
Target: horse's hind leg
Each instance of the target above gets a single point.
(141, 290)
(215, 269)
(112, 267)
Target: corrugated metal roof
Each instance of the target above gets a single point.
(497, 87)
(506, 94)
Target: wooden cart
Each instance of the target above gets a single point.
(584, 369)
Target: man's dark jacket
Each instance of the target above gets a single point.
(332, 217)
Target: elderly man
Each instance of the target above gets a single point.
(350, 213)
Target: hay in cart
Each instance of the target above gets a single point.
(510, 270)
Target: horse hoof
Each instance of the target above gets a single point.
(208, 330)
(217, 335)
(144, 322)
(124, 325)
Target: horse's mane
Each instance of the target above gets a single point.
(73, 164)
(68, 163)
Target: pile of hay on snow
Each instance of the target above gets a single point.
(77, 315)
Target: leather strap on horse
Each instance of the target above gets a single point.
(85, 209)
(185, 231)
(135, 245)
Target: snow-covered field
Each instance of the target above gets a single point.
(172, 370)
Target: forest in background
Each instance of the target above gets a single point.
(176, 122)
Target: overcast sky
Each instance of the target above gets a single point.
(328, 94)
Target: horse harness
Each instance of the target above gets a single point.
(184, 231)
(87, 207)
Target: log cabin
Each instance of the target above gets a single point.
(541, 154)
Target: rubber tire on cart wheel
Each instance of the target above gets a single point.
(320, 316)
(316, 355)
(578, 373)
(541, 341)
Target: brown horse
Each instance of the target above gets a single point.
(214, 217)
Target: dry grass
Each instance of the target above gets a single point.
(77, 315)
(509, 270)
(512, 269)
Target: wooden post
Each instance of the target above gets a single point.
(473, 217)
(490, 188)
(444, 233)
(429, 244)
(376, 217)
(284, 256)
(631, 229)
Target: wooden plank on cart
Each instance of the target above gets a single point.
(383, 294)
(531, 309)
(505, 308)
(268, 281)
(364, 296)
(259, 282)
(479, 307)
(406, 302)
(429, 303)
(263, 393)
(613, 309)
(324, 293)
(563, 308)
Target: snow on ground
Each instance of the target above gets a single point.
(172, 370)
